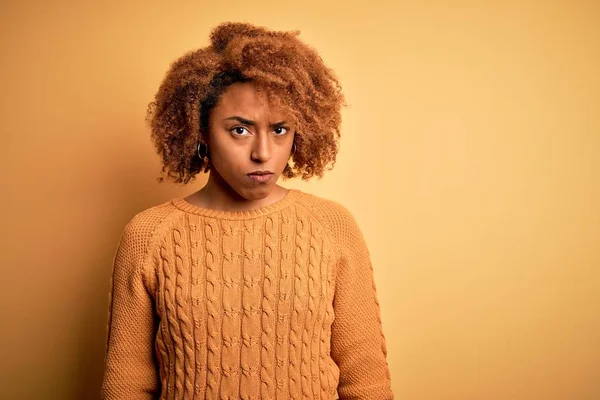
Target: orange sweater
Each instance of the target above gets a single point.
(272, 303)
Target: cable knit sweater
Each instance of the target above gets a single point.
(277, 302)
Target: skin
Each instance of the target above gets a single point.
(238, 148)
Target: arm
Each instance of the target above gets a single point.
(130, 368)
(358, 345)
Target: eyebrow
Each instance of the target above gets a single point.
(252, 123)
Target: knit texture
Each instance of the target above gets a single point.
(277, 302)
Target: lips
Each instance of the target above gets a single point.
(260, 173)
(261, 177)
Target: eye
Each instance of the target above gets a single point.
(238, 130)
(278, 130)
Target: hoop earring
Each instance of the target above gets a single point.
(293, 152)
(203, 155)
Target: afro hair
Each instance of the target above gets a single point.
(290, 72)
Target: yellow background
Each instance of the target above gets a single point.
(470, 157)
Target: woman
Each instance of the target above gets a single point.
(244, 289)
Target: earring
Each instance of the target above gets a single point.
(293, 147)
(203, 153)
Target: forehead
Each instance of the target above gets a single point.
(243, 99)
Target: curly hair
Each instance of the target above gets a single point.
(289, 72)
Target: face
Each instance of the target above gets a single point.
(245, 135)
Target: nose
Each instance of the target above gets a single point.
(261, 148)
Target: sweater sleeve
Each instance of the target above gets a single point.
(130, 367)
(358, 344)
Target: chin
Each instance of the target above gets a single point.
(256, 193)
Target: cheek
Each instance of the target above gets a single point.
(227, 157)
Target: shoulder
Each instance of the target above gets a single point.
(326, 209)
(140, 230)
(136, 243)
(335, 216)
